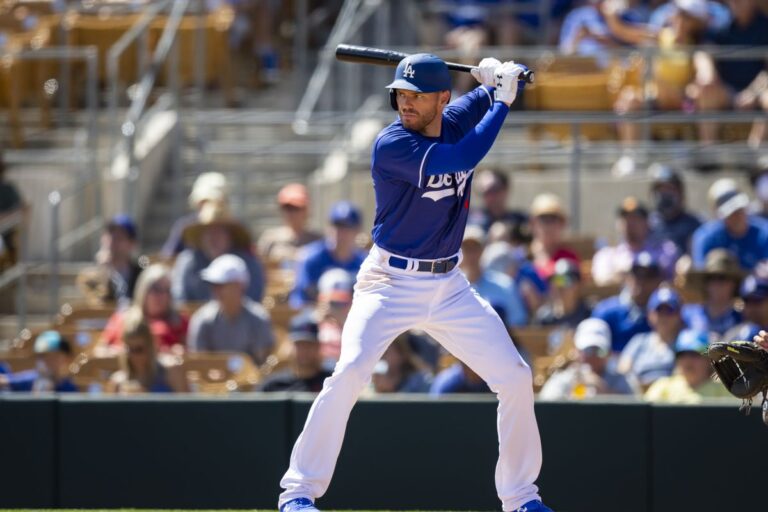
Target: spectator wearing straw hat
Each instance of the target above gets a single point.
(281, 244)
(669, 219)
(337, 250)
(548, 224)
(718, 283)
(594, 373)
(231, 322)
(209, 186)
(690, 381)
(734, 229)
(611, 263)
(214, 234)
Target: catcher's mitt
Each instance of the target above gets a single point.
(742, 367)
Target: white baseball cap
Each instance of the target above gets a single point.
(336, 283)
(696, 8)
(593, 332)
(726, 197)
(209, 186)
(227, 268)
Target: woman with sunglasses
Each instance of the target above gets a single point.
(152, 299)
(141, 371)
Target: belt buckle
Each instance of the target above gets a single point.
(439, 267)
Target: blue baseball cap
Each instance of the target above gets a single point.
(52, 341)
(692, 340)
(664, 297)
(754, 287)
(344, 213)
(422, 72)
(124, 222)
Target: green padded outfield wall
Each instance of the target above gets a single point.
(399, 453)
(29, 452)
(171, 452)
(427, 455)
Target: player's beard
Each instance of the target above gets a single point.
(419, 121)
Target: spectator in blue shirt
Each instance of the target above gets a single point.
(498, 289)
(626, 313)
(651, 355)
(337, 250)
(669, 219)
(458, 379)
(734, 229)
(718, 284)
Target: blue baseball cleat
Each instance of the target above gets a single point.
(299, 505)
(534, 506)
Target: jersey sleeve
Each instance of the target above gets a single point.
(401, 156)
(470, 108)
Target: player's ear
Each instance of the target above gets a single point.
(445, 97)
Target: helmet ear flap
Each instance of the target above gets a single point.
(393, 98)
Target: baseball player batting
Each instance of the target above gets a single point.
(422, 167)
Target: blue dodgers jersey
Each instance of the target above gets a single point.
(420, 216)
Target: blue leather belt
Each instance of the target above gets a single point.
(434, 266)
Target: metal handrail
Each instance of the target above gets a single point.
(353, 14)
(165, 47)
(139, 29)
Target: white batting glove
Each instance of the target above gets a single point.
(506, 81)
(485, 72)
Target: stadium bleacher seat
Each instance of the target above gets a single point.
(220, 372)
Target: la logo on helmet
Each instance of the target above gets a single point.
(409, 72)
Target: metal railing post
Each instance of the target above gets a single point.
(178, 134)
(201, 54)
(300, 44)
(574, 181)
(21, 292)
(54, 200)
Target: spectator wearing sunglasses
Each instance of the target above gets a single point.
(565, 305)
(651, 355)
(281, 244)
(152, 298)
(141, 371)
(594, 373)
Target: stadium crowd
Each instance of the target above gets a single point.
(681, 280)
(633, 318)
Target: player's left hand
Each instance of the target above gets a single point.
(485, 72)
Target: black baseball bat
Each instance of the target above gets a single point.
(381, 57)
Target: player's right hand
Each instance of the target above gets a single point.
(485, 72)
(506, 81)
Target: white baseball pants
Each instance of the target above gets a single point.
(387, 302)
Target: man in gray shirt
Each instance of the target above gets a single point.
(231, 322)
